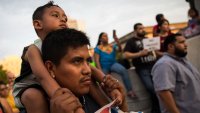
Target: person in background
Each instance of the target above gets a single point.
(143, 60)
(105, 59)
(164, 32)
(193, 27)
(176, 80)
(4, 105)
(156, 30)
(194, 17)
(11, 78)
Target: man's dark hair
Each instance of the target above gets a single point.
(56, 44)
(136, 25)
(38, 13)
(159, 17)
(170, 39)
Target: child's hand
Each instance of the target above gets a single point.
(117, 96)
(114, 89)
(62, 98)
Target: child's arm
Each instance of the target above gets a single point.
(116, 91)
(97, 74)
(33, 56)
(98, 95)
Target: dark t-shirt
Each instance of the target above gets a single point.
(25, 67)
(89, 104)
(134, 45)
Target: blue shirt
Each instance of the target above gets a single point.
(106, 59)
(181, 78)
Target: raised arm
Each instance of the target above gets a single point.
(117, 41)
(33, 56)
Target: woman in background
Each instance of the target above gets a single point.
(105, 58)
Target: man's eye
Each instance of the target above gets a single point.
(77, 61)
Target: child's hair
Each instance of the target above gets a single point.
(159, 17)
(56, 44)
(195, 10)
(38, 13)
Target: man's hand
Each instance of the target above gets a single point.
(63, 101)
(144, 52)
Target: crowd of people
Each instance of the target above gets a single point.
(56, 75)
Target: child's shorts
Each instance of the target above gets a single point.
(19, 87)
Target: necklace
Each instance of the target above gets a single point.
(83, 100)
(108, 49)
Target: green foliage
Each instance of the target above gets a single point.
(3, 76)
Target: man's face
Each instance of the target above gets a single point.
(54, 18)
(180, 46)
(74, 71)
(140, 31)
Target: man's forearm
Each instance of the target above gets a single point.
(129, 55)
(168, 101)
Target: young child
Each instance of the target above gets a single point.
(34, 76)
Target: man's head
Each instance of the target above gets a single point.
(176, 44)
(66, 56)
(47, 18)
(139, 30)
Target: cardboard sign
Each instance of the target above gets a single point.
(151, 44)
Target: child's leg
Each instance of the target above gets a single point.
(34, 101)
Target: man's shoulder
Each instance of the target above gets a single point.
(165, 60)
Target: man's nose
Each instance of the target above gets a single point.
(86, 69)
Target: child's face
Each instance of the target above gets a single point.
(54, 18)
(74, 71)
(165, 26)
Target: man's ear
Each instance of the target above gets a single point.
(37, 24)
(171, 46)
(50, 68)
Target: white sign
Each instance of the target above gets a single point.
(151, 43)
